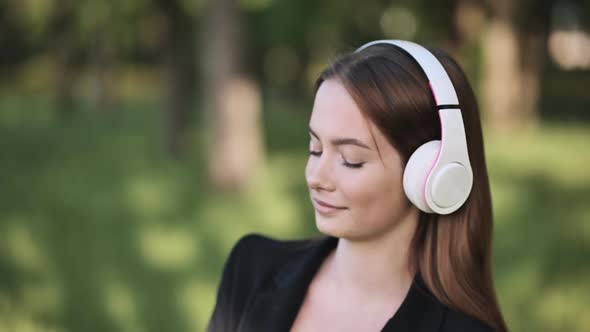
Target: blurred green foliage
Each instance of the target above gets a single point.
(100, 232)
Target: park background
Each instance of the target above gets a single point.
(139, 139)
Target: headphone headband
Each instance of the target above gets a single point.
(440, 83)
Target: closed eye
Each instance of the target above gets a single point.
(349, 165)
(344, 162)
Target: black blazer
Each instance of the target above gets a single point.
(264, 283)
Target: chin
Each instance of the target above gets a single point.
(346, 228)
(336, 227)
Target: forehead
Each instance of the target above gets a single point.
(335, 113)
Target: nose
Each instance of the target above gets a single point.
(318, 173)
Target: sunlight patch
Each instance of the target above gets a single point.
(149, 197)
(43, 298)
(272, 201)
(565, 307)
(14, 318)
(196, 298)
(121, 306)
(167, 248)
(21, 247)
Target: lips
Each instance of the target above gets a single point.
(328, 205)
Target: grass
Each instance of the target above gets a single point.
(99, 231)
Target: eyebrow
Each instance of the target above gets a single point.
(343, 140)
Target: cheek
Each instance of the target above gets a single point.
(364, 187)
(374, 195)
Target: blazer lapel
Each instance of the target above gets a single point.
(419, 312)
(278, 300)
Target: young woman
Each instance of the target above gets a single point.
(398, 179)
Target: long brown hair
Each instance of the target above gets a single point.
(451, 252)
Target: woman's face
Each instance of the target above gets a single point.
(350, 170)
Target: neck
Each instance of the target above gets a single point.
(376, 267)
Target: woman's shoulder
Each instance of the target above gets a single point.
(458, 321)
(258, 253)
(257, 243)
(452, 319)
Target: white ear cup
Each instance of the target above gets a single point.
(416, 172)
(450, 186)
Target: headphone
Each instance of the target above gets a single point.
(438, 176)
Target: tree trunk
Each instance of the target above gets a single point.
(180, 70)
(467, 23)
(65, 79)
(501, 75)
(534, 27)
(235, 150)
(66, 71)
(533, 53)
(514, 51)
(104, 69)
